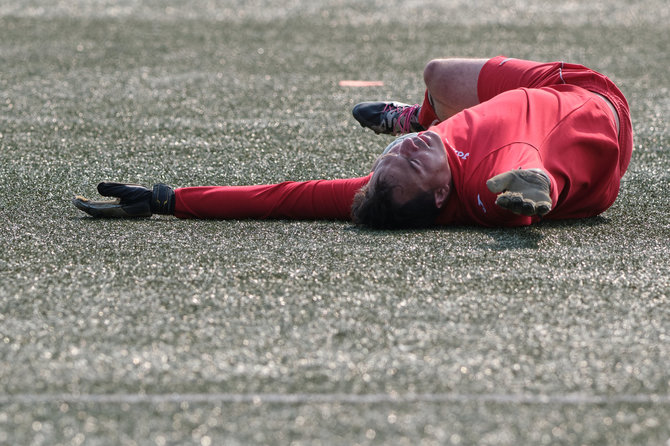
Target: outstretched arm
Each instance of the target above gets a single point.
(317, 199)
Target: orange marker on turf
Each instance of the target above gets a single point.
(358, 83)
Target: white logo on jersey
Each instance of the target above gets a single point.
(479, 202)
(461, 155)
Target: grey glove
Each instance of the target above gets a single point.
(132, 201)
(522, 191)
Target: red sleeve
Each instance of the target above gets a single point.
(317, 199)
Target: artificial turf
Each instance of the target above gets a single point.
(166, 331)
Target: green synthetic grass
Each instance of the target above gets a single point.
(556, 333)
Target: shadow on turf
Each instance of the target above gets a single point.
(504, 239)
(529, 237)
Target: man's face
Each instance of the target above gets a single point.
(415, 164)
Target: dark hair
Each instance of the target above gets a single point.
(375, 207)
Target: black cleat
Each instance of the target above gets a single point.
(392, 118)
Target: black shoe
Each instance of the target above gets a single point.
(132, 201)
(393, 118)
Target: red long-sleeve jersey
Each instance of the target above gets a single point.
(564, 130)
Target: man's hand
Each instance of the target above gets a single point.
(522, 191)
(132, 201)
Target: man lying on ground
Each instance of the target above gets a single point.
(497, 142)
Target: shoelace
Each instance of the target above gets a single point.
(401, 120)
